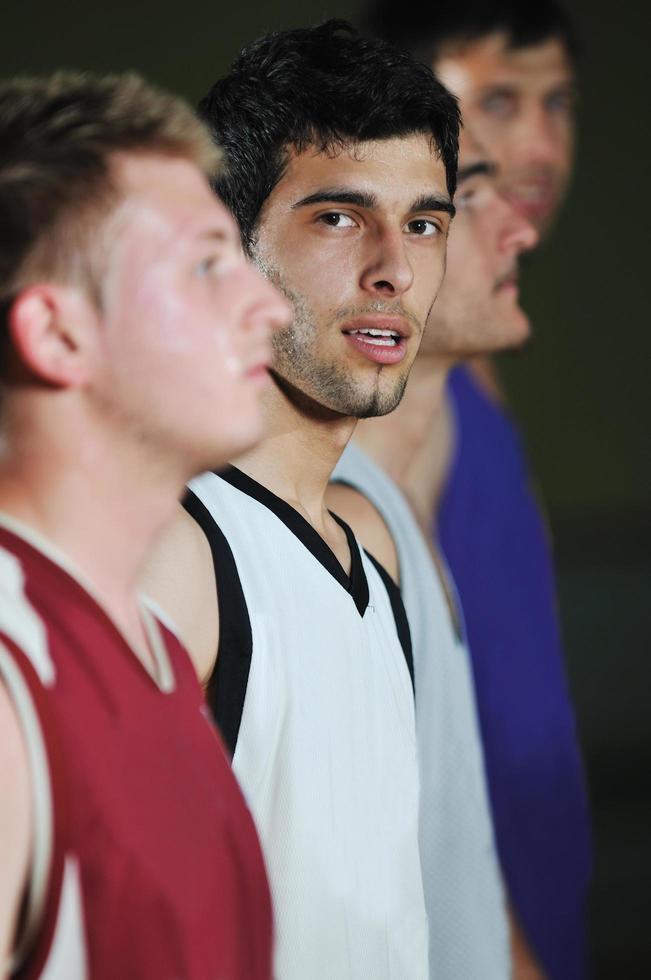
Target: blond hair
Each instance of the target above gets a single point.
(57, 138)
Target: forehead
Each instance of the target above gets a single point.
(490, 62)
(392, 169)
(471, 151)
(166, 201)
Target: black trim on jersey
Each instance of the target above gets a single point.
(228, 682)
(399, 614)
(356, 585)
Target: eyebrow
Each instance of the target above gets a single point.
(214, 235)
(362, 199)
(480, 169)
(507, 86)
(433, 202)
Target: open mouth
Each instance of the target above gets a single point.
(380, 346)
(532, 199)
(377, 338)
(507, 284)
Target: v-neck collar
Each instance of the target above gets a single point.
(356, 584)
(163, 674)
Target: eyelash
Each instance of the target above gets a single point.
(465, 198)
(500, 104)
(504, 105)
(436, 230)
(206, 267)
(560, 102)
(323, 218)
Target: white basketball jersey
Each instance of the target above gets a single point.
(461, 874)
(313, 691)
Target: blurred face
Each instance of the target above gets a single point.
(185, 335)
(519, 105)
(357, 243)
(478, 310)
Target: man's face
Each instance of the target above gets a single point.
(356, 240)
(184, 337)
(477, 310)
(518, 103)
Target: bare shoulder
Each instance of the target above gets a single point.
(524, 965)
(367, 523)
(15, 823)
(179, 576)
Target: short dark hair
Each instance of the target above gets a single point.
(325, 86)
(58, 134)
(425, 29)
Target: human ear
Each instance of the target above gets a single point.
(49, 328)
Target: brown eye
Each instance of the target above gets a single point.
(335, 219)
(423, 227)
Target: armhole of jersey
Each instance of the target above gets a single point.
(399, 614)
(228, 682)
(45, 875)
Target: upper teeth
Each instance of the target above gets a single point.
(377, 333)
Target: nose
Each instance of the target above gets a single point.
(267, 307)
(517, 234)
(537, 136)
(387, 270)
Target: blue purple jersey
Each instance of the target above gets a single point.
(492, 533)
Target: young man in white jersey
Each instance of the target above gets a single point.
(477, 299)
(130, 318)
(341, 161)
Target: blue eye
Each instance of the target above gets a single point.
(499, 104)
(464, 199)
(561, 102)
(205, 267)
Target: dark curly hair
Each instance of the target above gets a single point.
(325, 86)
(424, 29)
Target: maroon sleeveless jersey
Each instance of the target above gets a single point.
(146, 864)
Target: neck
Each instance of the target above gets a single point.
(413, 443)
(296, 459)
(92, 498)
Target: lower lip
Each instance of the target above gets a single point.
(258, 374)
(378, 354)
(508, 287)
(533, 208)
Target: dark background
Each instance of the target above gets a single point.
(581, 392)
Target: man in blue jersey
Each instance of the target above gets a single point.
(512, 66)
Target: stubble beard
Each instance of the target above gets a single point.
(297, 366)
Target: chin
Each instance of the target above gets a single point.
(238, 441)
(248, 439)
(519, 333)
(545, 219)
(512, 327)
